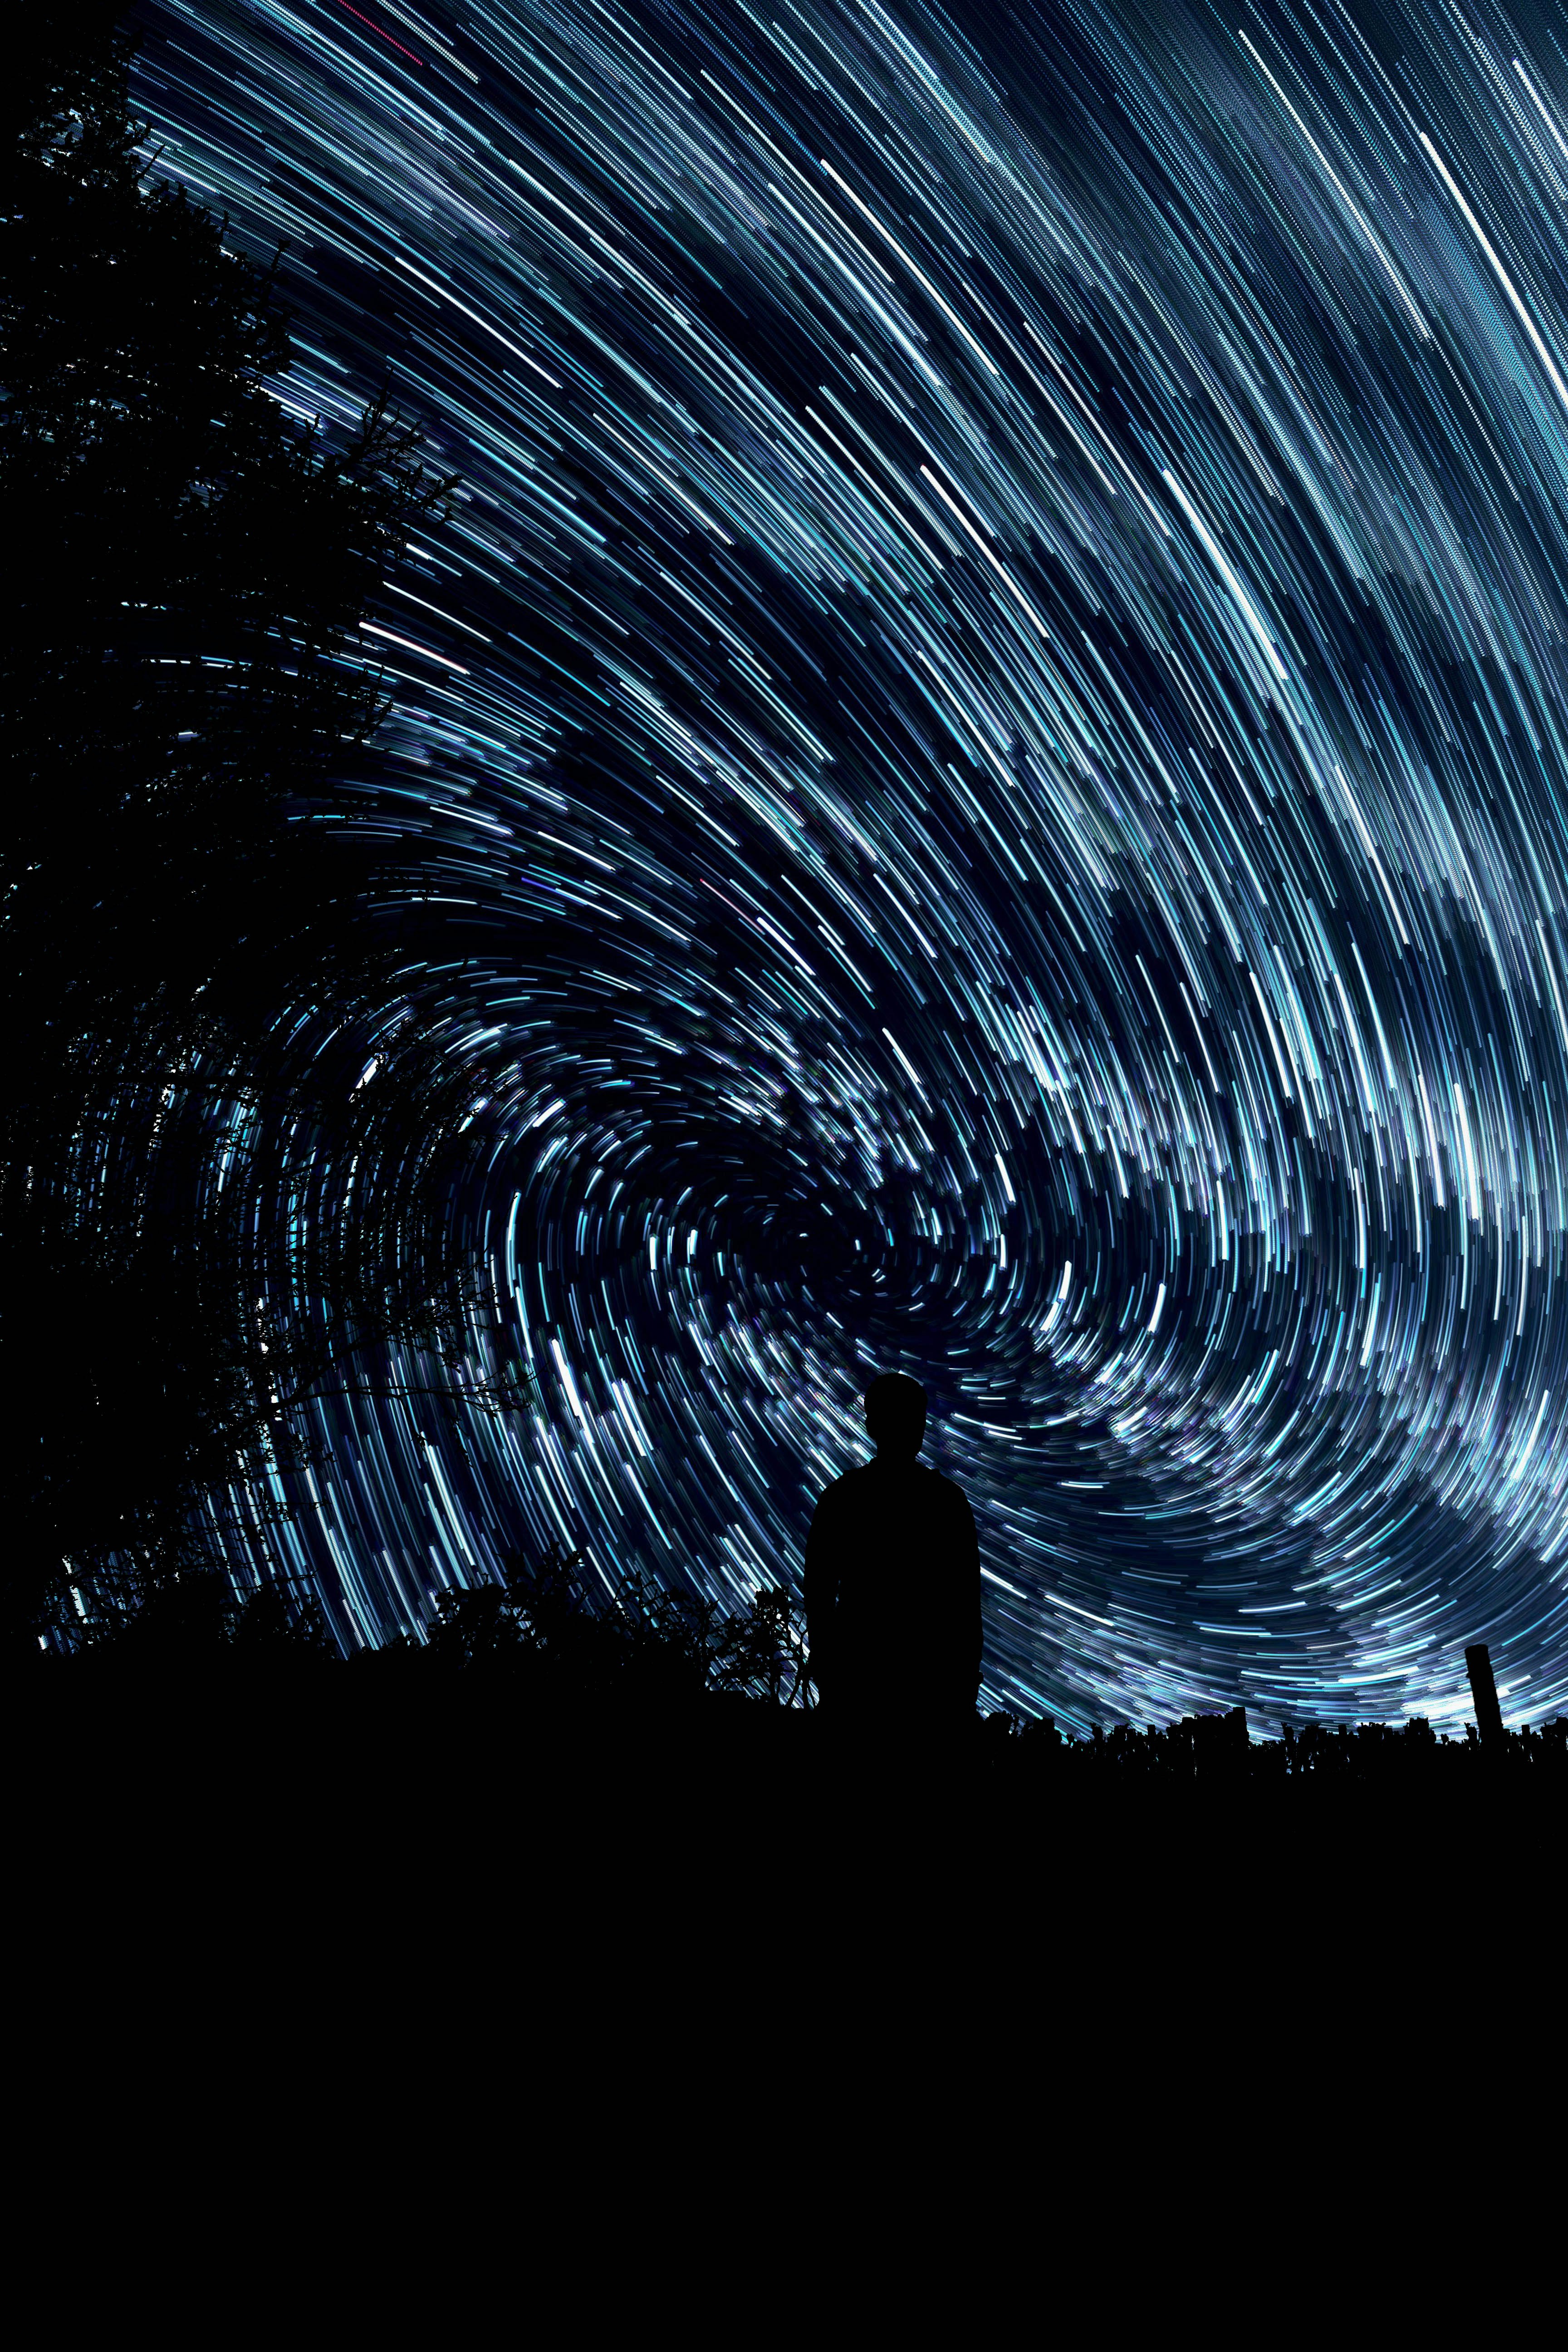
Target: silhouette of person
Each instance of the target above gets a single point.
(892, 1576)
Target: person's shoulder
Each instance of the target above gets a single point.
(844, 1488)
(946, 1493)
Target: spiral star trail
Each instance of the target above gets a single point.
(989, 721)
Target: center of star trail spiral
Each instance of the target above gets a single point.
(990, 717)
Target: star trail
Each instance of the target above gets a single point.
(990, 721)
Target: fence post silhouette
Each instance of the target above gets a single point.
(1483, 1691)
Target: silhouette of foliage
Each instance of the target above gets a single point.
(157, 1619)
(641, 1639)
(273, 1623)
(183, 651)
(199, 1043)
(1216, 1750)
(757, 1653)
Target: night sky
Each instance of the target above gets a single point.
(990, 727)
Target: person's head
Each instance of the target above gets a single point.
(895, 1415)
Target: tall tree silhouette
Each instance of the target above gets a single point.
(189, 1013)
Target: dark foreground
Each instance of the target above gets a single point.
(396, 1930)
(342, 1797)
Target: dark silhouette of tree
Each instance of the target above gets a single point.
(1209, 1752)
(182, 656)
(641, 1644)
(768, 1656)
(698, 1644)
(155, 1624)
(199, 1041)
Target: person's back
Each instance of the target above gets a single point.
(892, 1575)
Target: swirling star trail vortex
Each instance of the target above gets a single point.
(991, 716)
